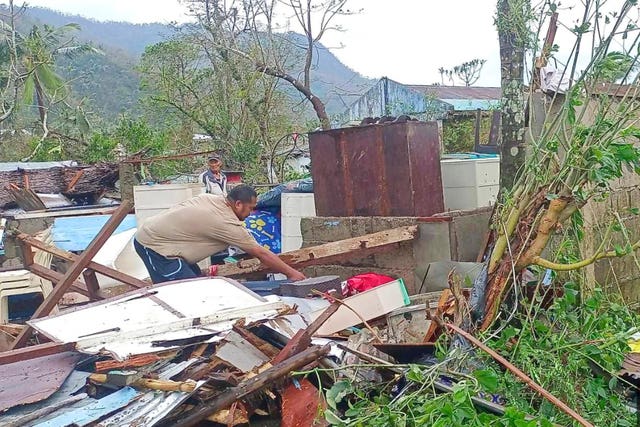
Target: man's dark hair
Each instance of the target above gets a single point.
(242, 193)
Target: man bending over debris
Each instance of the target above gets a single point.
(171, 243)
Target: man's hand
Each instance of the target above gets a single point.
(296, 276)
(272, 261)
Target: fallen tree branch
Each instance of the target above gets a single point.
(522, 376)
(580, 264)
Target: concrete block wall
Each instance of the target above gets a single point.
(615, 273)
(435, 243)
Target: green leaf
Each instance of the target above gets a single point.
(332, 418)
(487, 378)
(338, 392)
(415, 374)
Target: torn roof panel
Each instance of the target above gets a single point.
(93, 410)
(74, 382)
(152, 406)
(135, 324)
(33, 380)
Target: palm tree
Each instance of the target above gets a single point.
(42, 86)
(38, 53)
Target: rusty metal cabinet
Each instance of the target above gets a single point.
(390, 169)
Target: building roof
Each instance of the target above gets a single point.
(459, 92)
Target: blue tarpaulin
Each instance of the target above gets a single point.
(75, 233)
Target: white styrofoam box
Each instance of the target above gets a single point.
(151, 200)
(470, 183)
(291, 226)
(298, 205)
(369, 304)
(164, 195)
(465, 198)
(291, 243)
(488, 172)
(470, 172)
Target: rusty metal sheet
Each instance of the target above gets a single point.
(389, 169)
(302, 405)
(34, 380)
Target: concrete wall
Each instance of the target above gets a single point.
(619, 274)
(459, 238)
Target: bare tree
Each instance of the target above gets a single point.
(252, 30)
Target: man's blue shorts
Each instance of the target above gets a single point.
(163, 269)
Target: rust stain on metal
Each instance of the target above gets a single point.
(302, 407)
(390, 169)
(36, 379)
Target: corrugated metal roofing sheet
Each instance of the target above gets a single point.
(16, 415)
(33, 380)
(152, 406)
(12, 166)
(94, 410)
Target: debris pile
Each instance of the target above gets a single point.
(23, 183)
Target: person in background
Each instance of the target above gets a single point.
(214, 180)
(173, 242)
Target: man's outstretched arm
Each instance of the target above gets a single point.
(272, 261)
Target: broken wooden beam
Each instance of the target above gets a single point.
(360, 247)
(34, 351)
(71, 257)
(262, 380)
(302, 339)
(150, 383)
(26, 198)
(54, 277)
(75, 270)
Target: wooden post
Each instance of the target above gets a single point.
(91, 281)
(127, 177)
(74, 271)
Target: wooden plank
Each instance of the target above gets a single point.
(75, 180)
(91, 281)
(34, 351)
(55, 277)
(71, 257)
(327, 252)
(26, 198)
(76, 268)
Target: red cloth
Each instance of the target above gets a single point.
(364, 282)
(213, 270)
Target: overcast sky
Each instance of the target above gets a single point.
(405, 40)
